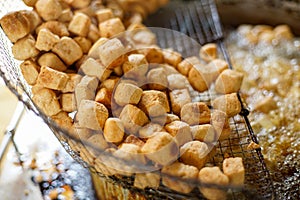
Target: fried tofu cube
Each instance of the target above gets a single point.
(33, 17)
(110, 83)
(228, 103)
(208, 52)
(98, 141)
(149, 179)
(172, 57)
(213, 69)
(154, 103)
(127, 93)
(92, 115)
(63, 120)
(220, 123)
(24, 48)
(114, 130)
(80, 3)
(185, 66)
(283, 32)
(104, 96)
(197, 79)
(104, 14)
(229, 81)
(148, 130)
(47, 101)
(203, 133)
(195, 113)
(135, 67)
(46, 40)
(179, 170)
(194, 153)
(68, 102)
(92, 67)
(80, 132)
(111, 27)
(66, 15)
(84, 43)
(111, 53)
(132, 139)
(53, 61)
(213, 175)
(161, 148)
(15, 25)
(52, 79)
(56, 27)
(171, 118)
(153, 54)
(30, 71)
(68, 50)
(80, 24)
(93, 34)
(177, 81)
(49, 9)
(234, 169)
(133, 118)
(266, 105)
(157, 79)
(86, 89)
(73, 81)
(178, 99)
(30, 3)
(94, 50)
(143, 37)
(180, 131)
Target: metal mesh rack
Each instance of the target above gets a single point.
(258, 183)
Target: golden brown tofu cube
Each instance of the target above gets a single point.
(63, 120)
(114, 130)
(132, 139)
(46, 40)
(228, 103)
(234, 169)
(161, 148)
(213, 175)
(195, 153)
(52, 79)
(56, 27)
(208, 52)
(177, 81)
(180, 131)
(149, 179)
(94, 33)
(213, 69)
(185, 66)
(178, 99)
(30, 3)
(283, 32)
(86, 89)
(84, 43)
(157, 79)
(172, 57)
(104, 14)
(111, 27)
(30, 71)
(135, 67)
(80, 3)
(15, 25)
(153, 54)
(68, 102)
(127, 93)
(203, 133)
(195, 113)
(47, 101)
(133, 118)
(110, 83)
(80, 24)
(24, 48)
(92, 114)
(48, 9)
(104, 96)
(197, 79)
(154, 103)
(73, 80)
(92, 67)
(66, 15)
(180, 170)
(111, 52)
(148, 130)
(53, 61)
(229, 81)
(98, 141)
(68, 50)
(220, 123)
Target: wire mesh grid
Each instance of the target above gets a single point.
(257, 184)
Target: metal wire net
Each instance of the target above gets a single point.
(258, 183)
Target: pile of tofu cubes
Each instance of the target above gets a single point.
(97, 71)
